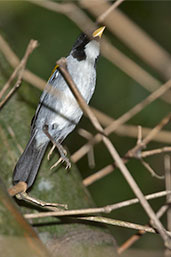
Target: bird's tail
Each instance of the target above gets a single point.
(28, 164)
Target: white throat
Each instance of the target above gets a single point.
(92, 50)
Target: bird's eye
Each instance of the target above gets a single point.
(54, 126)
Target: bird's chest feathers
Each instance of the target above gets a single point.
(84, 76)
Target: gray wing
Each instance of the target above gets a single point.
(44, 96)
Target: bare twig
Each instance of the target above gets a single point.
(124, 118)
(135, 151)
(152, 172)
(14, 61)
(122, 224)
(12, 134)
(98, 175)
(167, 165)
(86, 109)
(115, 206)
(139, 137)
(165, 149)
(104, 209)
(103, 16)
(19, 70)
(11, 92)
(100, 219)
(6, 144)
(167, 162)
(8, 83)
(131, 130)
(91, 160)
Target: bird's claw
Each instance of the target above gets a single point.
(62, 160)
(50, 152)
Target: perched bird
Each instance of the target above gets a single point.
(59, 114)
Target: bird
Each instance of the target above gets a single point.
(57, 115)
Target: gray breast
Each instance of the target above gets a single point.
(61, 113)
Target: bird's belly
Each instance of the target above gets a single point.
(61, 121)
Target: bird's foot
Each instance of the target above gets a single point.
(62, 151)
(50, 152)
(62, 159)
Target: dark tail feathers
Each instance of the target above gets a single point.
(28, 164)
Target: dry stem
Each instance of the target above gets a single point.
(104, 209)
(111, 8)
(163, 136)
(167, 163)
(104, 220)
(19, 70)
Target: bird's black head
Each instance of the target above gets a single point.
(78, 49)
(87, 47)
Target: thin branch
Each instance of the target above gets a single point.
(86, 109)
(124, 118)
(139, 137)
(167, 164)
(165, 149)
(131, 130)
(11, 92)
(19, 70)
(104, 209)
(8, 83)
(107, 221)
(53, 6)
(135, 151)
(12, 134)
(6, 145)
(152, 172)
(103, 16)
(121, 224)
(98, 175)
(91, 159)
(14, 61)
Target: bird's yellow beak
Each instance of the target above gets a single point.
(98, 32)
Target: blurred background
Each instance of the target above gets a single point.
(116, 92)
